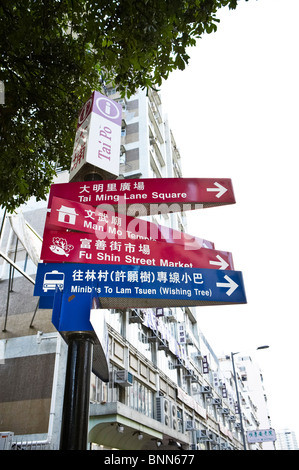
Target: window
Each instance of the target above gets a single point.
(141, 398)
(98, 391)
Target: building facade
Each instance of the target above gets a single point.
(253, 398)
(286, 440)
(166, 388)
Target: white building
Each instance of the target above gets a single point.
(286, 440)
(253, 399)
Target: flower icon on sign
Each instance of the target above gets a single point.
(60, 246)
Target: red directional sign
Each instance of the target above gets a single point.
(74, 247)
(108, 224)
(151, 195)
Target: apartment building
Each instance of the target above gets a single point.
(166, 389)
(286, 440)
(253, 397)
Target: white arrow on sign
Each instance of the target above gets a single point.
(221, 263)
(230, 283)
(221, 189)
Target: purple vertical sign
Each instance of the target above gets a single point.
(97, 140)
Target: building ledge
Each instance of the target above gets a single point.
(116, 425)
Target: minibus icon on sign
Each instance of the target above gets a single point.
(52, 280)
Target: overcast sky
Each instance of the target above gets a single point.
(234, 114)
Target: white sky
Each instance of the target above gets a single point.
(234, 114)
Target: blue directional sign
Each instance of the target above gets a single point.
(122, 286)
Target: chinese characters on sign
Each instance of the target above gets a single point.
(261, 435)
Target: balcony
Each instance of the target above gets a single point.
(119, 426)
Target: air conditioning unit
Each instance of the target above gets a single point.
(135, 316)
(225, 446)
(123, 378)
(194, 378)
(173, 416)
(6, 439)
(214, 438)
(203, 435)
(179, 363)
(189, 339)
(163, 345)
(232, 418)
(207, 391)
(217, 402)
(190, 425)
(188, 373)
(166, 412)
(225, 411)
(163, 411)
(170, 314)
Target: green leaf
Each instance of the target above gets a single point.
(54, 54)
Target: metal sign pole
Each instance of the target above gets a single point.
(93, 159)
(75, 416)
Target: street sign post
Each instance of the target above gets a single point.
(95, 156)
(99, 252)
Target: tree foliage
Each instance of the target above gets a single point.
(54, 53)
